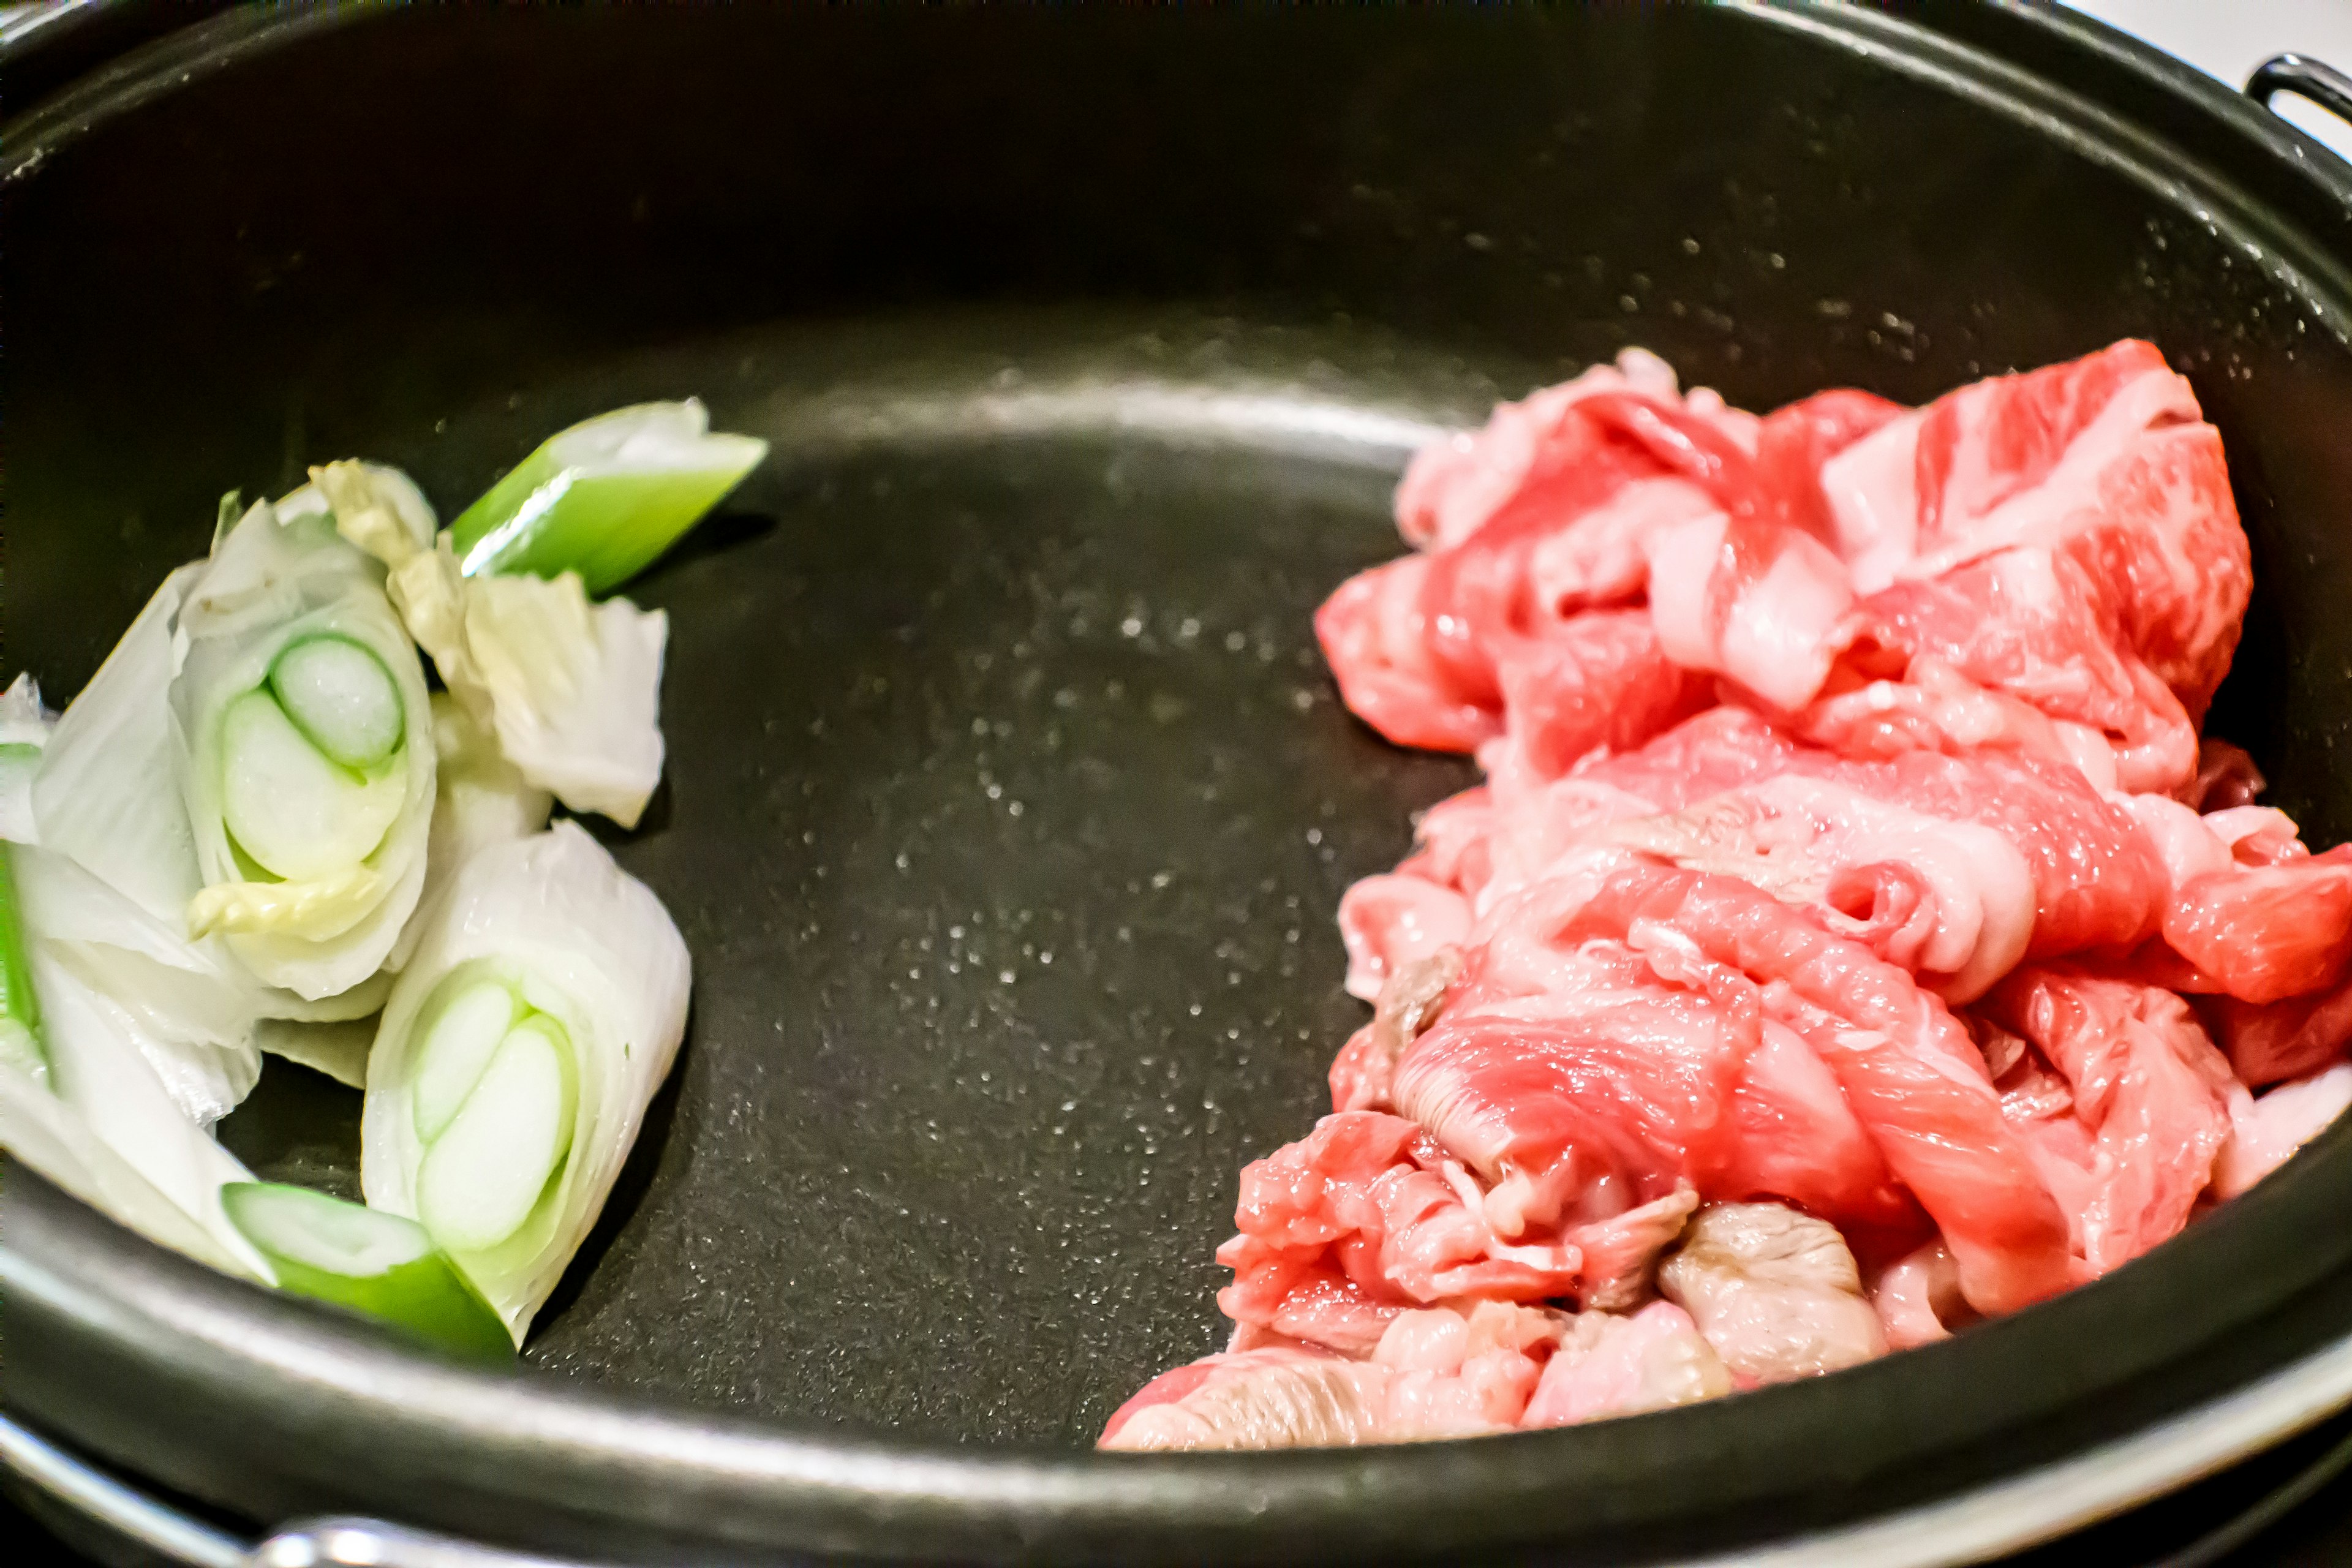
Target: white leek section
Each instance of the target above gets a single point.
(105, 797)
(25, 728)
(108, 790)
(45, 1133)
(106, 1115)
(280, 576)
(593, 970)
(189, 1011)
(375, 506)
(340, 1050)
(106, 901)
(572, 690)
(481, 800)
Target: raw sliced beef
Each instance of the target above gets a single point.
(2271, 1042)
(1293, 1399)
(1454, 487)
(1852, 937)
(1445, 1371)
(1908, 1069)
(1611, 1365)
(2066, 536)
(1614, 1088)
(1954, 867)
(1525, 610)
(1774, 1290)
(1918, 1298)
(1390, 923)
(2264, 933)
(2008, 651)
(2265, 1132)
(2250, 914)
(1363, 1218)
(2148, 1111)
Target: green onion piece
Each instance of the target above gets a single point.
(375, 1263)
(458, 1044)
(482, 1176)
(20, 1012)
(339, 694)
(605, 497)
(290, 807)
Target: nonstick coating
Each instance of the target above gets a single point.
(1008, 801)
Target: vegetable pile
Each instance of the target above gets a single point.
(261, 828)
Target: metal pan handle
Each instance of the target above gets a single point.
(2305, 77)
(146, 1529)
(372, 1544)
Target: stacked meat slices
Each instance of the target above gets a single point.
(1852, 939)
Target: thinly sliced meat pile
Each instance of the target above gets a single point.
(1852, 939)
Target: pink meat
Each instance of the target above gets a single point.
(1955, 867)
(1799, 733)
(1409, 1002)
(1527, 601)
(2250, 914)
(1753, 600)
(1793, 445)
(1364, 1218)
(1621, 1085)
(1453, 1370)
(1717, 751)
(2025, 623)
(2264, 933)
(1372, 633)
(1600, 680)
(1297, 1399)
(1454, 487)
(2148, 1103)
(2269, 1042)
(1615, 1076)
(2264, 1132)
(1907, 1067)
(1623, 1366)
(2098, 880)
(1752, 591)
(1918, 1297)
(2067, 536)
(2064, 539)
(1387, 922)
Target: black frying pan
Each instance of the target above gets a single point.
(1008, 801)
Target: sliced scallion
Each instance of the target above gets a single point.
(543, 1005)
(458, 1045)
(339, 694)
(605, 497)
(484, 1172)
(378, 1264)
(291, 809)
(20, 1012)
